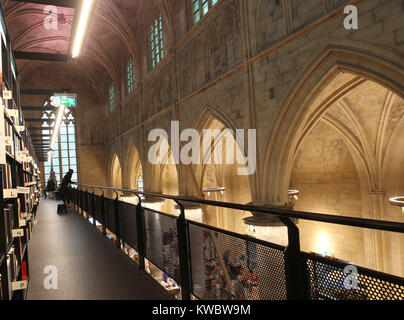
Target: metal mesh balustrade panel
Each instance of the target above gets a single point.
(127, 223)
(80, 199)
(329, 281)
(161, 242)
(110, 215)
(98, 215)
(85, 201)
(226, 267)
(90, 204)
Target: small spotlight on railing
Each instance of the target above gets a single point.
(215, 189)
(398, 202)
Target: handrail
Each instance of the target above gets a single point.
(319, 217)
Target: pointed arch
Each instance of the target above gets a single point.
(298, 107)
(115, 171)
(133, 168)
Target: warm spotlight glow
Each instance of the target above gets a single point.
(81, 29)
(323, 243)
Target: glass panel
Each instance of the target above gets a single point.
(64, 145)
(65, 161)
(65, 154)
(63, 130)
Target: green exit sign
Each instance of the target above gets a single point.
(68, 101)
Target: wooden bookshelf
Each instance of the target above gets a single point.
(19, 179)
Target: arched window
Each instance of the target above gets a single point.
(140, 183)
(111, 97)
(130, 75)
(201, 7)
(64, 155)
(156, 41)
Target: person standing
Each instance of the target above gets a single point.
(51, 186)
(64, 189)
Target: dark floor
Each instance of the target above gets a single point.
(88, 266)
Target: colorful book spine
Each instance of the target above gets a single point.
(23, 270)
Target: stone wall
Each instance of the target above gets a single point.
(273, 66)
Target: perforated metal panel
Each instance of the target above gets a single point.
(85, 201)
(227, 267)
(161, 242)
(90, 204)
(127, 223)
(333, 280)
(110, 215)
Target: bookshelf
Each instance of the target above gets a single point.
(19, 179)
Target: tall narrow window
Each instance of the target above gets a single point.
(130, 75)
(201, 7)
(112, 97)
(156, 41)
(64, 155)
(140, 183)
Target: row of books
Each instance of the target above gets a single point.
(7, 176)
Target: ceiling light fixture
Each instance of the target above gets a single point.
(56, 128)
(81, 28)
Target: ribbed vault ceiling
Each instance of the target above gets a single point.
(118, 28)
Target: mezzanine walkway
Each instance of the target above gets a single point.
(89, 267)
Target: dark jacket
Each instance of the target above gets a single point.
(51, 185)
(65, 182)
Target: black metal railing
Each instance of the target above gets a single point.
(211, 263)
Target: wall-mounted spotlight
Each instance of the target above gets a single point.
(398, 202)
(216, 189)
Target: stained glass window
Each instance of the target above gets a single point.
(201, 7)
(130, 75)
(156, 41)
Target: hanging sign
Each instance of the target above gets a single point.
(7, 95)
(19, 285)
(66, 99)
(24, 190)
(17, 233)
(10, 193)
(23, 223)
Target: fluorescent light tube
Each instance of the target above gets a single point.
(84, 16)
(59, 118)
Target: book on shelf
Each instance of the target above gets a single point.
(7, 176)
(8, 137)
(12, 265)
(9, 223)
(24, 274)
